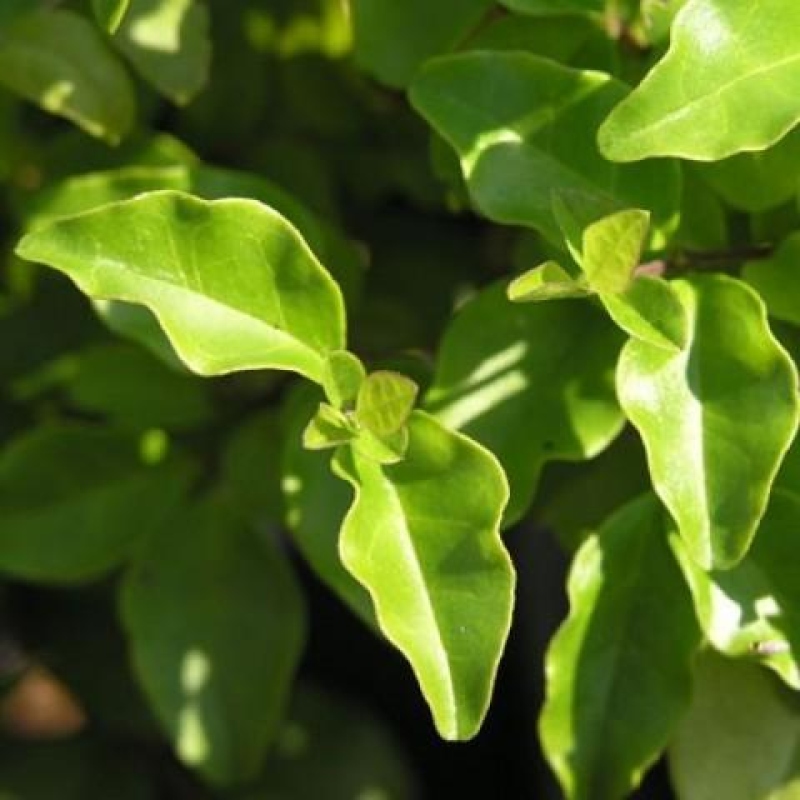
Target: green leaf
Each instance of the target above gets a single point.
(611, 250)
(329, 427)
(651, 310)
(716, 418)
(316, 505)
(757, 182)
(345, 375)
(753, 609)
(216, 625)
(619, 669)
(744, 64)
(777, 280)
(741, 737)
(167, 41)
(391, 43)
(109, 13)
(385, 401)
(554, 6)
(422, 537)
(532, 382)
(517, 122)
(231, 282)
(58, 60)
(333, 748)
(548, 281)
(75, 500)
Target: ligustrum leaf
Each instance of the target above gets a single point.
(385, 400)
(167, 41)
(422, 537)
(343, 379)
(744, 62)
(231, 282)
(58, 60)
(516, 121)
(753, 609)
(553, 6)
(716, 418)
(741, 737)
(531, 382)
(776, 279)
(611, 249)
(619, 669)
(216, 624)
(548, 281)
(75, 500)
(109, 13)
(329, 427)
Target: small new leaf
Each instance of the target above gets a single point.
(343, 378)
(385, 400)
(548, 281)
(329, 427)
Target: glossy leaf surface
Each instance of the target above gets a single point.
(205, 665)
(422, 536)
(716, 418)
(618, 670)
(391, 43)
(753, 610)
(231, 282)
(740, 738)
(167, 41)
(744, 62)
(531, 382)
(518, 121)
(74, 501)
(58, 60)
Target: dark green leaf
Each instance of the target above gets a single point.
(619, 668)
(109, 13)
(422, 537)
(777, 280)
(216, 624)
(531, 382)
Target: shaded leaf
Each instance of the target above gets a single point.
(619, 669)
(517, 122)
(231, 282)
(716, 418)
(554, 6)
(216, 624)
(741, 737)
(58, 60)
(777, 280)
(422, 537)
(532, 382)
(167, 41)
(745, 66)
(75, 500)
(109, 13)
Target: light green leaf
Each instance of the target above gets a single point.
(167, 41)
(757, 182)
(385, 401)
(531, 382)
(316, 505)
(611, 249)
(387, 449)
(517, 122)
(741, 737)
(716, 418)
(548, 281)
(329, 427)
(231, 282)
(777, 280)
(554, 6)
(744, 63)
(619, 669)
(216, 624)
(109, 13)
(754, 609)
(422, 537)
(344, 377)
(391, 42)
(75, 500)
(58, 60)
(650, 310)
